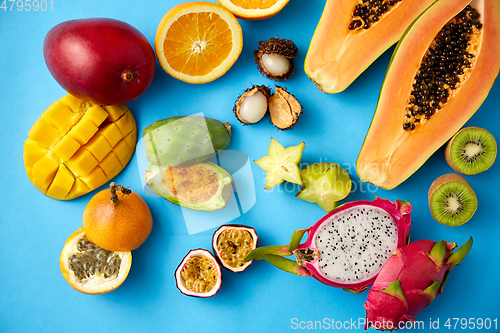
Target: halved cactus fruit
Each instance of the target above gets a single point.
(203, 186)
(75, 147)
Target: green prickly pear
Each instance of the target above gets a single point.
(202, 186)
(183, 141)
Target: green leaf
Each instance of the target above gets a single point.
(296, 238)
(287, 265)
(459, 255)
(394, 289)
(260, 252)
(438, 252)
(431, 290)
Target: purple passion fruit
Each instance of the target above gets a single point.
(232, 243)
(100, 60)
(199, 274)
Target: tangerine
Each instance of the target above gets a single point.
(117, 219)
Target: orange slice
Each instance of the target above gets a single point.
(197, 42)
(254, 9)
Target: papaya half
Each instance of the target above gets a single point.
(439, 75)
(352, 34)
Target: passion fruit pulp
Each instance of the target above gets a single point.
(91, 269)
(232, 243)
(199, 274)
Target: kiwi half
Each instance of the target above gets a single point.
(452, 200)
(471, 151)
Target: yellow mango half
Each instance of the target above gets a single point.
(76, 147)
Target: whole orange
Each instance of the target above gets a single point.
(117, 219)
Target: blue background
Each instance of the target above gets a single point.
(34, 297)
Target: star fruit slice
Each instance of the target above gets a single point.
(325, 184)
(281, 164)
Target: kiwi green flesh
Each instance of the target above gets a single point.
(453, 203)
(472, 150)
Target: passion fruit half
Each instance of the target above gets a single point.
(232, 243)
(91, 269)
(199, 274)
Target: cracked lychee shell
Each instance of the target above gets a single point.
(251, 92)
(277, 47)
(284, 109)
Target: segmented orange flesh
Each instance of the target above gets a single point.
(197, 42)
(254, 4)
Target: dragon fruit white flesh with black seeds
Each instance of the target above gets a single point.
(354, 245)
(347, 247)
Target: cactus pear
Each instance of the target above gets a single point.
(184, 141)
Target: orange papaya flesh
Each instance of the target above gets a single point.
(390, 154)
(337, 55)
(76, 147)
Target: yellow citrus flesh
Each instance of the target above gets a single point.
(197, 42)
(254, 9)
(75, 147)
(90, 269)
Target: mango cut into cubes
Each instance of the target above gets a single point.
(76, 147)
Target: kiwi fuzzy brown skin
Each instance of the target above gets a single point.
(248, 92)
(447, 152)
(451, 177)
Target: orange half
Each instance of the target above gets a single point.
(254, 9)
(197, 42)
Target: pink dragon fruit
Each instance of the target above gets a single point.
(410, 280)
(347, 247)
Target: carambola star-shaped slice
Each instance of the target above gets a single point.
(281, 164)
(324, 184)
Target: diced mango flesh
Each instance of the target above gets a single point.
(32, 153)
(83, 131)
(98, 146)
(66, 148)
(111, 133)
(126, 124)
(44, 170)
(110, 164)
(116, 111)
(77, 147)
(95, 179)
(82, 163)
(122, 150)
(62, 183)
(43, 133)
(79, 188)
(59, 116)
(96, 114)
